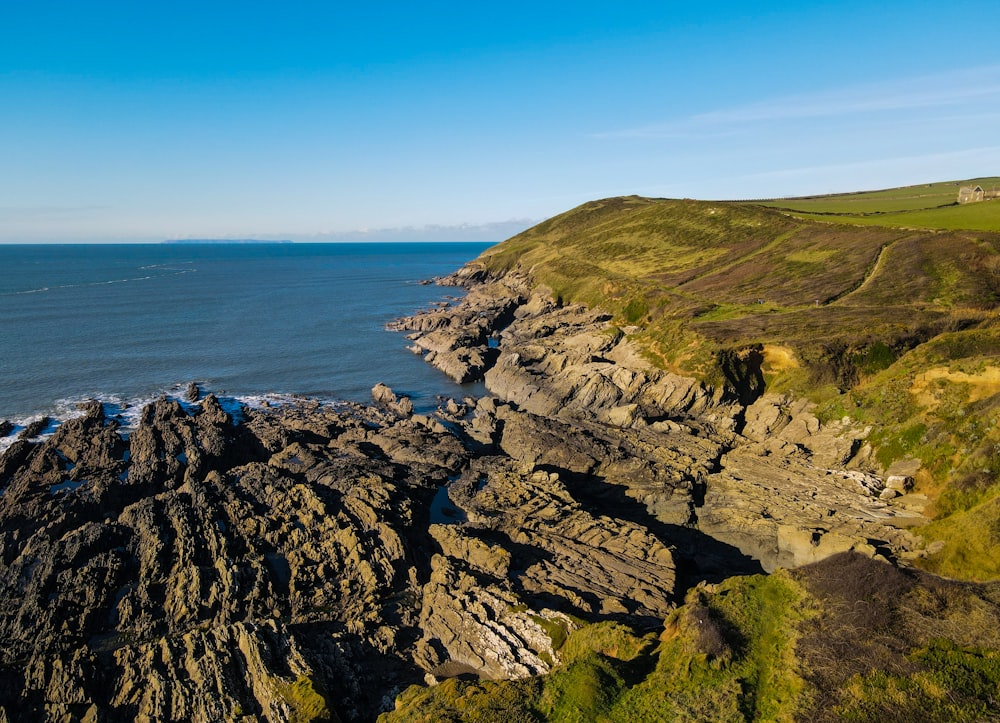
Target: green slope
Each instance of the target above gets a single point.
(896, 327)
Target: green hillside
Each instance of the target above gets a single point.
(895, 327)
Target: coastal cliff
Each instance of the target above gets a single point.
(592, 539)
(766, 477)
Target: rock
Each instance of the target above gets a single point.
(456, 339)
(766, 417)
(593, 565)
(899, 483)
(785, 512)
(6, 428)
(384, 396)
(567, 560)
(623, 416)
(904, 468)
(178, 551)
(34, 428)
(565, 362)
(454, 409)
(900, 475)
(193, 393)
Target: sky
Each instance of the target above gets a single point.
(314, 121)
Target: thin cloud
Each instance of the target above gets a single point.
(944, 90)
(877, 172)
(988, 154)
(486, 232)
(33, 213)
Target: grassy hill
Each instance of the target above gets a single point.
(894, 325)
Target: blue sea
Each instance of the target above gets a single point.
(127, 323)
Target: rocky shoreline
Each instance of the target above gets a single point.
(310, 562)
(760, 473)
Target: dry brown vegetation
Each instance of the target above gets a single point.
(880, 631)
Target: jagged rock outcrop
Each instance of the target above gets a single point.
(473, 621)
(306, 561)
(201, 570)
(283, 565)
(785, 511)
(760, 474)
(527, 551)
(549, 359)
(456, 339)
(385, 397)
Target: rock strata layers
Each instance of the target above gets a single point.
(308, 561)
(285, 566)
(760, 475)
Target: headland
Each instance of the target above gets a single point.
(652, 515)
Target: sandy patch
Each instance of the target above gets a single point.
(981, 386)
(779, 358)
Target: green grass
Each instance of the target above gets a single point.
(971, 540)
(983, 216)
(952, 684)
(307, 702)
(903, 198)
(728, 654)
(930, 206)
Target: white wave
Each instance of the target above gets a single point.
(169, 266)
(41, 289)
(127, 412)
(21, 423)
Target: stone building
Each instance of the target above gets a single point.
(970, 194)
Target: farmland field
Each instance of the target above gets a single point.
(930, 206)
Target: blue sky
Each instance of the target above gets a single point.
(137, 121)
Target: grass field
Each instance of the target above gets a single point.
(929, 206)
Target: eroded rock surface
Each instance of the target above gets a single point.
(284, 566)
(308, 561)
(759, 473)
(203, 570)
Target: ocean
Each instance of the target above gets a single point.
(126, 323)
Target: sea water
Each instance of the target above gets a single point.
(126, 323)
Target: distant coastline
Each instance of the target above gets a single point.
(225, 241)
